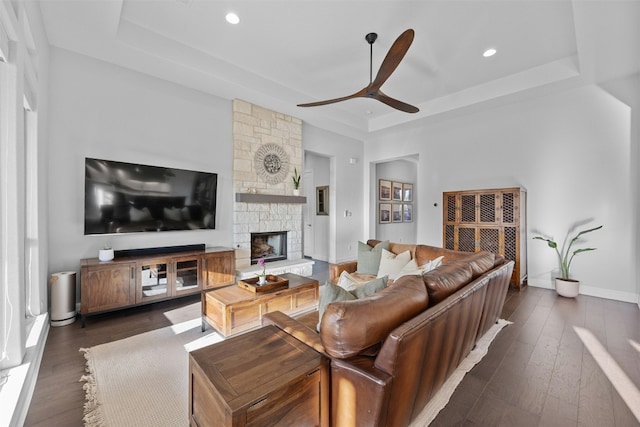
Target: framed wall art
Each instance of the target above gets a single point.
(407, 192)
(396, 191)
(407, 212)
(396, 212)
(322, 200)
(384, 213)
(384, 189)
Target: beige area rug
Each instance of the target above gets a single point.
(144, 380)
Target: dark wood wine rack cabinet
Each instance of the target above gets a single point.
(488, 220)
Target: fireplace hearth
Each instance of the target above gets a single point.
(270, 246)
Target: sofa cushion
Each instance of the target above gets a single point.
(331, 293)
(349, 328)
(369, 257)
(391, 264)
(480, 263)
(446, 279)
(425, 253)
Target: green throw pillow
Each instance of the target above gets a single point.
(332, 293)
(369, 258)
(371, 287)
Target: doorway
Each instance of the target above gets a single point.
(316, 235)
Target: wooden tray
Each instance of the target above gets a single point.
(274, 283)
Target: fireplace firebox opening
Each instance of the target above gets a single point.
(270, 246)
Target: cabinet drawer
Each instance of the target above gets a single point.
(296, 404)
(243, 317)
(306, 299)
(281, 303)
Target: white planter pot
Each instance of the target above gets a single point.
(296, 192)
(568, 288)
(105, 254)
(262, 280)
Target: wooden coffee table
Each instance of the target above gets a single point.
(233, 310)
(262, 378)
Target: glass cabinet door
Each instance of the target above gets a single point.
(153, 280)
(186, 275)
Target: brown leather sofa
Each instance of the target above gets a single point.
(392, 351)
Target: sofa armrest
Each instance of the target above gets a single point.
(294, 328)
(359, 392)
(335, 270)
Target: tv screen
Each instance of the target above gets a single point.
(124, 197)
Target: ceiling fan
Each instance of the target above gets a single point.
(390, 63)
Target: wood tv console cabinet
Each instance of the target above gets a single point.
(129, 281)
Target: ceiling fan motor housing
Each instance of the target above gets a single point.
(371, 38)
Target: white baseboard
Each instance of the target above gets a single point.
(592, 291)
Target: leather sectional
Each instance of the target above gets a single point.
(391, 352)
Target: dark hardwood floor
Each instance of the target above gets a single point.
(537, 372)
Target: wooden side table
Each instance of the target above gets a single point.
(232, 310)
(262, 378)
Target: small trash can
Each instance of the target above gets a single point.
(63, 298)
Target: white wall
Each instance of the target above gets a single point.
(570, 150)
(345, 189)
(103, 111)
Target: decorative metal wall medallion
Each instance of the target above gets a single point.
(271, 163)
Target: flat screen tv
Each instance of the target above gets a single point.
(124, 197)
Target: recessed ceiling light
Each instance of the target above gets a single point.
(232, 18)
(489, 52)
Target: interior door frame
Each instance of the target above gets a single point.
(308, 217)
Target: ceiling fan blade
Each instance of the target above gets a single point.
(397, 51)
(398, 105)
(358, 94)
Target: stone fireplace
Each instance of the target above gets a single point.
(261, 206)
(271, 246)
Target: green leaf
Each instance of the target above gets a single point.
(577, 251)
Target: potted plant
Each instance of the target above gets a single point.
(296, 182)
(565, 285)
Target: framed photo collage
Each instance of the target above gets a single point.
(395, 201)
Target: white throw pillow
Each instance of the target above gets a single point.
(391, 264)
(434, 263)
(411, 268)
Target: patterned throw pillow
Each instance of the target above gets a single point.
(348, 282)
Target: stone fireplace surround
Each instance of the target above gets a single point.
(263, 207)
